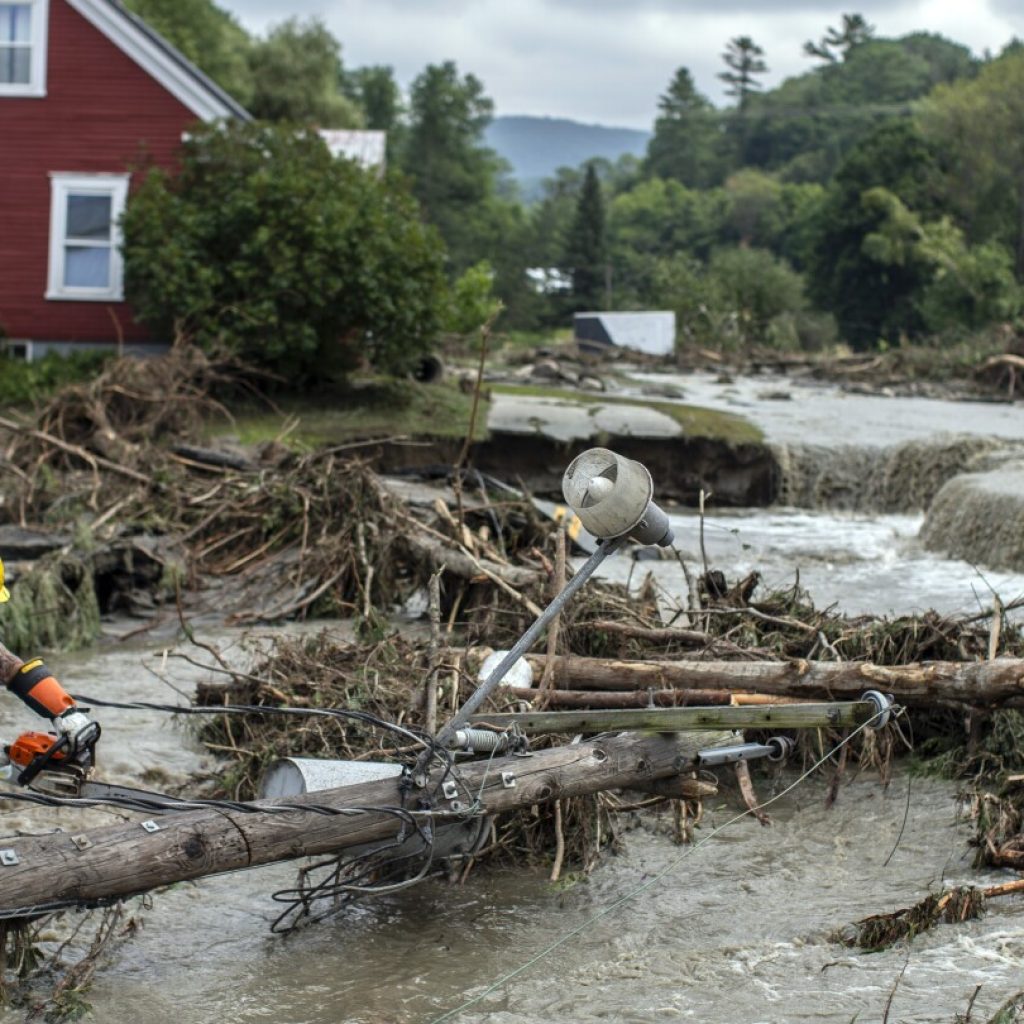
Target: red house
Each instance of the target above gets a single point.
(88, 94)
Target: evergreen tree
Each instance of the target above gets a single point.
(587, 249)
(686, 144)
(453, 173)
(854, 30)
(745, 61)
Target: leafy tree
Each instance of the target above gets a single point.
(473, 302)
(662, 217)
(453, 173)
(963, 286)
(745, 61)
(586, 251)
(687, 140)
(208, 35)
(376, 92)
(681, 284)
(742, 297)
(978, 126)
(300, 262)
(873, 299)
(853, 31)
(804, 128)
(297, 77)
(755, 287)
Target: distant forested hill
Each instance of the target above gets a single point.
(537, 146)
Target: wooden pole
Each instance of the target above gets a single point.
(124, 859)
(1000, 681)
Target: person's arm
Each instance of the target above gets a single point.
(9, 665)
(34, 684)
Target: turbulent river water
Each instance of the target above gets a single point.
(734, 929)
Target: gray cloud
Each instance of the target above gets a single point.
(1012, 10)
(755, 8)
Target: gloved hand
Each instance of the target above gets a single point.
(81, 731)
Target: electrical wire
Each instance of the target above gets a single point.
(413, 822)
(654, 879)
(363, 717)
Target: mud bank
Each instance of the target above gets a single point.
(903, 477)
(979, 517)
(740, 475)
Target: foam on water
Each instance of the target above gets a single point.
(863, 564)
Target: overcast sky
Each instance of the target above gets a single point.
(607, 61)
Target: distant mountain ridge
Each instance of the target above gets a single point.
(537, 146)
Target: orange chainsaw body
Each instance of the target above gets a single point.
(29, 745)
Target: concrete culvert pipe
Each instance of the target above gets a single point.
(429, 370)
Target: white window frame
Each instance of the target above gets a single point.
(36, 85)
(63, 185)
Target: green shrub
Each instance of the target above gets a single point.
(300, 262)
(29, 382)
(757, 287)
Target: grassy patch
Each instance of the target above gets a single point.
(695, 420)
(370, 408)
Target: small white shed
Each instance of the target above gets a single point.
(651, 332)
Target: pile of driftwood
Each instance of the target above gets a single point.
(296, 533)
(986, 368)
(287, 534)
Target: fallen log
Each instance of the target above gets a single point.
(468, 566)
(649, 634)
(39, 872)
(997, 682)
(641, 698)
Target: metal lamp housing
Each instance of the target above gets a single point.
(612, 497)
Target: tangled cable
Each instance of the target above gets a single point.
(413, 822)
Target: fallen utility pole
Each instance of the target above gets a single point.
(39, 872)
(997, 682)
(765, 716)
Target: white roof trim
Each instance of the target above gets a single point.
(126, 36)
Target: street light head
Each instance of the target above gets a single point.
(612, 496)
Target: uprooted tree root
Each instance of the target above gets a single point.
(951, 906)
(880, 931)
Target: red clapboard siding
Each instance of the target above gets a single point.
(102, 113)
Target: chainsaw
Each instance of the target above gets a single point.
(59, 764)
(45, 764)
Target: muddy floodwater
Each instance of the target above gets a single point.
(733, 929)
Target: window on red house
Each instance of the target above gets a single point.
(23, 47)
(85, 236)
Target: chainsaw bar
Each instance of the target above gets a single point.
(73, 783)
